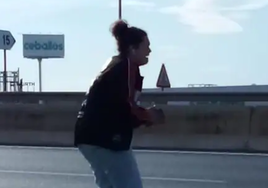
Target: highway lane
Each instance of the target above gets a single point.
(25, 167)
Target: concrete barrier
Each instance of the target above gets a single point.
(203, 127)
(259, 129)
(38, 125)
(35, 117)
(199, 127)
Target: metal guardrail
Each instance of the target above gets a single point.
(159, 97)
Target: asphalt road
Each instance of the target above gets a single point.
(24, 167)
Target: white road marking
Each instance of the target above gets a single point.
(189, 180)
(204, 153)
(144, 151)
(37, 147)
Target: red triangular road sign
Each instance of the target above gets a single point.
(163, 80)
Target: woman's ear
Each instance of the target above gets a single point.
(132, 51)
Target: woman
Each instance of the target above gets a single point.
(105, 123)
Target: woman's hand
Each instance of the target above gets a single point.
(157, 115)
(150, 116)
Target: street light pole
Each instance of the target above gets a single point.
(120, 9)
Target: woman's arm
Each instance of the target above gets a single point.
(134, 88)
(127, 90)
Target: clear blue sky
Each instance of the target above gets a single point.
(220, 42)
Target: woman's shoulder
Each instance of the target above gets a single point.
(118, 59)
(114, 62)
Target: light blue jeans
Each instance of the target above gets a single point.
(112, 169)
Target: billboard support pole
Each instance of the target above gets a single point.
(40, 73)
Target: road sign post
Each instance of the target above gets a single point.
(163, 80)
(5, 70)
(6, 43)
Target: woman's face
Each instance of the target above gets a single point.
(141, 54)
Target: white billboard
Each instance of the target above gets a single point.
(43, 46)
